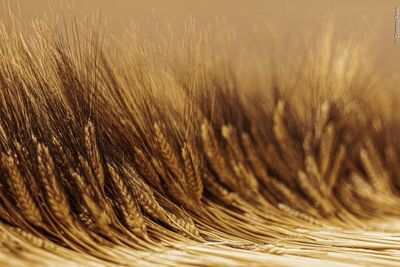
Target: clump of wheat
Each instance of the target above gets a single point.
(147, 155)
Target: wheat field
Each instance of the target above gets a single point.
(157, 150)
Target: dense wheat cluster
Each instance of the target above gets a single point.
(175, 152)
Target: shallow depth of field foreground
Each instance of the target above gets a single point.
(159, 149)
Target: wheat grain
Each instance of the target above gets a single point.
(130, 209)
(87, 170)
(65, 155)
(55, 196)
(326, 147)
(93, 213)
(295, 213)
(258, 166)
(147, 168)
(282, 135)
(373, 164)
(248, 184)
(217, 190)
(192, 169)
(93, 152)
(335, 169)
(229, 133)
(290, 196)
(3, 135)
(22, 196)
(313, 170)
(23, 158)
(393, 160)
(170, 158)
(214, 156)
(187, 225)
(144, 195)
(322, 120)
(40, 242)
(276, 164)
(314, 195)
(4, 216)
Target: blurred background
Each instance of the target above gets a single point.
(293, 20)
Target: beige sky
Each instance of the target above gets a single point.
(373, 18)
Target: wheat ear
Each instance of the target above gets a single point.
(130, 209)
(282, 135)
(144, 195)
(145, 165)
(229, 134)
(336, 167)
(374, 167)
(55, 195)
(314, 194)
(326, 147)
(23, 159)
(171, 160)
(192, 169)
(22, 196)
(253, 157)
(93, 152)
(215, 157)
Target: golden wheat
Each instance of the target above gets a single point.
(170, 151)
